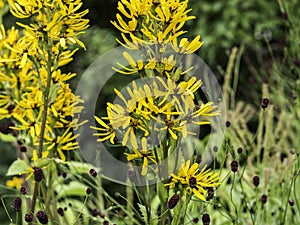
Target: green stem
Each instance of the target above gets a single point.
(44, 119)
(83, 205)
(5, 209)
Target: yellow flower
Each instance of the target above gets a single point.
(151, 22)
(138, 66)
(1, 4)
(186, 47)
(143, 154)
(15, 182)
(107, 131)
(193, 180)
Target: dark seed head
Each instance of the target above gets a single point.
(195, 220)
(105, 222)
(95, 212)
(17, 204)
(227, 124)
(38, 174)
(291, 202)
(64, 175)
(265, 102)
(28, 218)
(23, 190)
(264, 198)
(93, 172)
(89, 190)
(193, 182)
(256, 181)
(60, 211)
(234, 166)
(173, 201)
(215, 148)
(15, 133)
(6, 128)
(284, 16)
(10, 108)
(210, 193)
(42, 217)
(23, 149)
(205, 219)
(240, 150)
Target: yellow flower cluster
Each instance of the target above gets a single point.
(155, 29)
(31, 80)
(193, 180)
(155, 22)
(153, 107)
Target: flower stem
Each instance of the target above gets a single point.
(5, 209)
(44, 119)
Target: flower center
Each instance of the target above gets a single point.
(193, 182)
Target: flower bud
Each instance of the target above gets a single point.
(240, 150)
(38, 174)
(291, 202)
(205, 219)
(234, 166)
(42, 217)
(264, 103)
(17, 204)
(60, 211)
(255, 181)
(173, 201)
(264, 198)
(28, 218)
(89, 190)
(23, 190)
(93, 172)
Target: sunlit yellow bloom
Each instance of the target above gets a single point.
(159, 22)
(186, 47)
(63, 142)
(1, 4)
(15, 182)
(143, 154)
(193, 180)
(105, 132)
(35, 155)
(138, 66)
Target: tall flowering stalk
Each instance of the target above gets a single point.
(153, 115)
(36, 100)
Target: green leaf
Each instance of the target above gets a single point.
(41, 162)
(143, 211)
(7, 137)
(74, 188)
(71, 215)
(53, 92)
(17, 167)
(79, 167)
